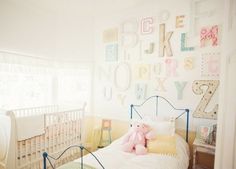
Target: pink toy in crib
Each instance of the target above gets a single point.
(135, 140)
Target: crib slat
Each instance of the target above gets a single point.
(62, 129)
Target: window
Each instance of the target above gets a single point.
(19, 88)
(24, 86)
(74, 87)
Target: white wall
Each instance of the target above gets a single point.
(226, 133)
(58, 32)
(117, 106)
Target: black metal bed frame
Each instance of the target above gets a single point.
(132, 108)
(81, 147)
(186, 111)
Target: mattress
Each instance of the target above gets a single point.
(112, 157)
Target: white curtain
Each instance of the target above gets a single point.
(27, 81)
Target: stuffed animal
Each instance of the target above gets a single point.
(135, 140)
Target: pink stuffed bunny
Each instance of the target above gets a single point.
(136, 138)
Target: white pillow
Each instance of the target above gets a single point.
(162, 126)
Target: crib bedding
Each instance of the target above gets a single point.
(112, 157)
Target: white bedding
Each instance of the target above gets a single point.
(112, 157)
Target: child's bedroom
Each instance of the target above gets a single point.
(117, 84)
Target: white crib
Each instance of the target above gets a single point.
(60, 130)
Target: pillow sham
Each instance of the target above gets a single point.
(163, 144)
(161, 126)
(164, 128)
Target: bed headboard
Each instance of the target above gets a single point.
(133, 109)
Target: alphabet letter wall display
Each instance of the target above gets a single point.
(110, 35)
(107, 93)
(147, 47)
(129, 33)
(131, 54)
(210, 66)
(160, 84)
(171, 66)
(140, 91)
(188, 63)
(112, 52)
(184, 43)
(164, 41)
(150, 49)
(180, 88)
(122, 76)
(157, 69)
(209, 35)
(179, 21)
(121, 98)
(126, 55)
(105, 73)
(164, 16)
(198, 87)
(200, 10)
(142, 72)
(147, 25)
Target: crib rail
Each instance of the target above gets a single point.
(62, 129)
(35, 110)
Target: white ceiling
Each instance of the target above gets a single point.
(55, 28)
(80, 7)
